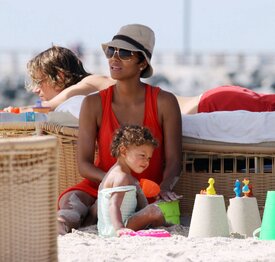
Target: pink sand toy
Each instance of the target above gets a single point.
(148, 233)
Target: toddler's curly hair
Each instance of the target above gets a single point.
(131, 135)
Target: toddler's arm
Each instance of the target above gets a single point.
(141, 199)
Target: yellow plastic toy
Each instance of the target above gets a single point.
(245, 188)
(210, 190)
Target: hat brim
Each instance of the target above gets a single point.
(125, 45)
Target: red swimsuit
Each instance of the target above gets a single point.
(229, 98)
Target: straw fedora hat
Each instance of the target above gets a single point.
(137, 38)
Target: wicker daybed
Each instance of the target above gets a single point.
(227, 161)
(68, 174)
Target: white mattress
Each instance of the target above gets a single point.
(71, 105)
(242, 127)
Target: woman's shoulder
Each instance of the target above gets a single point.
(166, 97)
(167, 102)
(91, 108)
(92, 97)
(161, 92)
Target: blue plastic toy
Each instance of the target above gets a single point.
(237, 188)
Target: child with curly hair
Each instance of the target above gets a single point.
(122, 206)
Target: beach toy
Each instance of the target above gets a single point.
(15, 110)
(243, 215)
(148, 233)
(39, 108)
(171, 211)
(267, 229)
(149, 187)
(237, 188)
(211, 190)
(38, 103)
(245, 188)
(209, 218)
(250, 194)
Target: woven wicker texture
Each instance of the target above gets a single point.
(68, 174)
(28, 182)
(17, 129)
(225, 163)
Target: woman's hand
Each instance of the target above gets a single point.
(8, 109)
(18, 110)
(168, 196)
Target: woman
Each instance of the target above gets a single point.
(227, 98)
(129, 101)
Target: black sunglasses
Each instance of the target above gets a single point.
(122, 54)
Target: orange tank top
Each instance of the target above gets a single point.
(110, 123)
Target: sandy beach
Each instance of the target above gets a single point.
(85, 245)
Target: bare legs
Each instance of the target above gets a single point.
(150, 215)
(78, 208)
(91, 218)
(75, 209)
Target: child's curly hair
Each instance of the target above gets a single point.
(131, 135)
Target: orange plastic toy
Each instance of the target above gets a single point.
(149, 187)
(15, 110)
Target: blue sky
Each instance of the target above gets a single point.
(215, 25)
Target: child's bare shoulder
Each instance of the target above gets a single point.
(122, 179)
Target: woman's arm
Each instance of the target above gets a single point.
(86, 86)
(89, 122)
(170, 118)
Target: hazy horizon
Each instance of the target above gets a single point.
(215, 26)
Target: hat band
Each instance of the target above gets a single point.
(133, 42)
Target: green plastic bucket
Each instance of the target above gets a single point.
(171, 211)
(267, 229)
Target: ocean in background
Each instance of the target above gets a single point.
(181, 74)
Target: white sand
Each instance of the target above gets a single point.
(85, 245)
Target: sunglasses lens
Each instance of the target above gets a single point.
(125, 54)
(109, 52)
